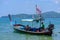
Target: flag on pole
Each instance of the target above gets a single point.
(38, 11)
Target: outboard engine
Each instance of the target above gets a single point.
(50, 28)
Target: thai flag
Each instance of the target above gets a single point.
(38, 11)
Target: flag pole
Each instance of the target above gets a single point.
(40, 20)
(38, 11)
(32, 21)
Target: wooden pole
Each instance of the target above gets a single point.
(40, 19)
(32, 23)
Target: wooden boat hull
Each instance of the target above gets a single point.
(34, 33)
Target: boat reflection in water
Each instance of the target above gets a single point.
(34, 37)
(30, 37)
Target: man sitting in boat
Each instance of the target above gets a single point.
(38, 29)
(27, 28)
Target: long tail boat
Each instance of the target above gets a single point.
(20, 28)
(46, 31)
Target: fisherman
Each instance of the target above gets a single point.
(27, 28)
(42, 27)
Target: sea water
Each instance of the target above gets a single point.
(7, 31)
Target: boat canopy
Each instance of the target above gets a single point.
(27, 20)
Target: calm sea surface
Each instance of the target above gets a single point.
(7, 31)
